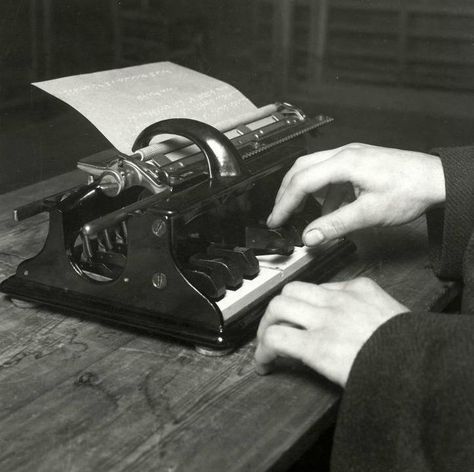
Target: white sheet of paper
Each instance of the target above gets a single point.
(122, 102)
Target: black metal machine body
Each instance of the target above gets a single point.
(156, 244)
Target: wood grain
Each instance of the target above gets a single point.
(78, 396)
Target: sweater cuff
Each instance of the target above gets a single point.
(450, 228)
(410, 384)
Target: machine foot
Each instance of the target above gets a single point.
(23, 303)
(210, 352)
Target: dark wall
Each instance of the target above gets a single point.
(395, 73)
(40, 137)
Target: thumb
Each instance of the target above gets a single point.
(335, 225)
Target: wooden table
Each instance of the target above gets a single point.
(79, 396)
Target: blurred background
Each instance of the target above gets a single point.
(393, 73)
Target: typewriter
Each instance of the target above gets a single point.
(172, 238)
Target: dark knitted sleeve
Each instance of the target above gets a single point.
(449, 229)
(409, 400)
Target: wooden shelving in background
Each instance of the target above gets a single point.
(408, 45)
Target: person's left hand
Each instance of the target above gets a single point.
(324, 326)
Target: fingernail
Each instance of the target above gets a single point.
(313, 237)
(262, 369)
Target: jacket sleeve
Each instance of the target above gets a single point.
(409, 400)
(450, 228)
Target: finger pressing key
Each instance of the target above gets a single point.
(303, 163)
(303, 183)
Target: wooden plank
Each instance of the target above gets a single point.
(78, 395)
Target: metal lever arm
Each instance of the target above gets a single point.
(223, 159)
(127, 172)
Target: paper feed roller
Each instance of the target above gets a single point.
(172, 239)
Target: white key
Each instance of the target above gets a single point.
(249, 293)
(292, 264)
(274, 269)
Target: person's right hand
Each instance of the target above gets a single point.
(388, 187)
